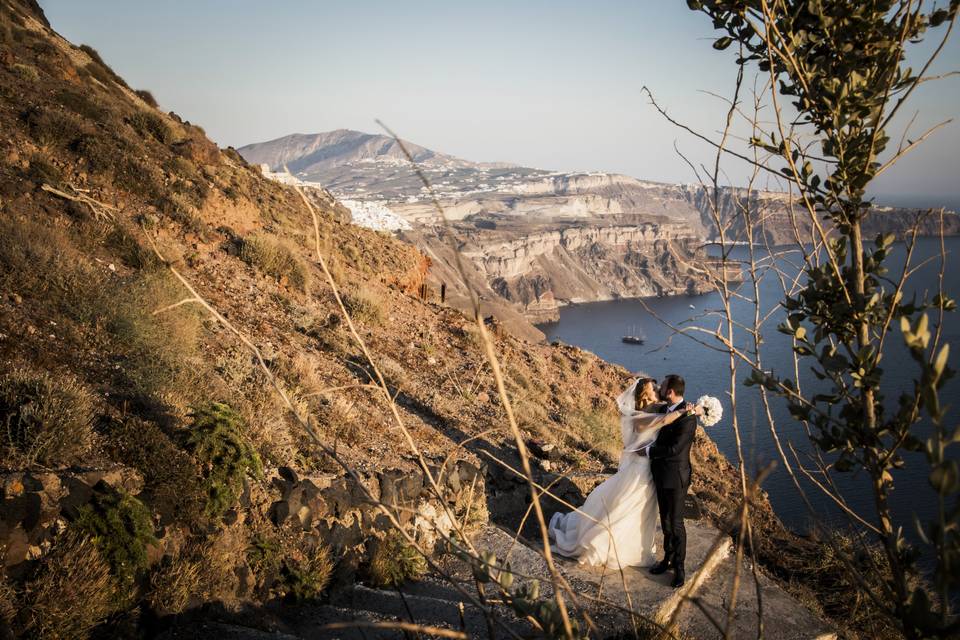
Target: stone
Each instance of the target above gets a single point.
(279, 512)
(288, 474)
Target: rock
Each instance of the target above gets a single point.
(288, 474)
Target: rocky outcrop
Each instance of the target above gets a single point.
(538, 268)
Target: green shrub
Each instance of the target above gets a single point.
(122, 529)
(364, 305)
(44, 419)
(217, 441)
(393, 561)
(276, 259)
(72, 593)
(306, 580)
(150, 124)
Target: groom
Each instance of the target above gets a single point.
(670, 465)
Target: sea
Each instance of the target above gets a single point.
(676, 341)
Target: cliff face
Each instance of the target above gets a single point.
(542, 271)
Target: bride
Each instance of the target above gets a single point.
(616, 525)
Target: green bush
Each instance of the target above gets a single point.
(276, 259)
(44, 419)
(122, 529)
(217, 441)
(393, 561)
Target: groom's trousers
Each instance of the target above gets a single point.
(670, 502)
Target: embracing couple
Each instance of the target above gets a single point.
(616, 525)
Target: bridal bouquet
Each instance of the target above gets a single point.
(712, 410)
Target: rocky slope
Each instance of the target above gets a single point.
(150, 473)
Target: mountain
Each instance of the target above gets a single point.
(540, 239)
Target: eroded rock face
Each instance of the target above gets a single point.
(34, 504)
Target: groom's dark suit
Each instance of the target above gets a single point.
(670, 466)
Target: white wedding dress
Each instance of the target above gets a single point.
(616, 525)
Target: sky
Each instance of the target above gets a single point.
(548, 84)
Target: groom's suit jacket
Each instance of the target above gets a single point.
(670, 453)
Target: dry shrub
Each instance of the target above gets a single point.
(308, 578)
(364, 305)
(393, 561)
(173, 584)
(161, 352)
(9, 604)
(147, 97)
(54, 127)
(150, 124)
(83, 103)
(72, 593)
(26, 72)
(100, 69)
(598, 429)
(217, 562)
(171, 478)
(276, 259)
(44, 419)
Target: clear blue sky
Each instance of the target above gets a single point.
(550, 84)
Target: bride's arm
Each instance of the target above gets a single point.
(646, 421)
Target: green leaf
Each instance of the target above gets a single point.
(722, 43)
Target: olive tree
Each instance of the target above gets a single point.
(836, 76)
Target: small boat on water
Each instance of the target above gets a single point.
(632, 339)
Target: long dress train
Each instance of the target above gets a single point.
(617, 523)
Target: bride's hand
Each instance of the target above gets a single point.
(698, 410)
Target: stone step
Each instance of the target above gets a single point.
(783, 616)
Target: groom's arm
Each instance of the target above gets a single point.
(686, 429)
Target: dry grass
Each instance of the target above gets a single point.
(309, 578)
(598, 429)
(72, 593)
(364, 305)
(172, 585)
(44, 419)
(276, 259)
(393, 561)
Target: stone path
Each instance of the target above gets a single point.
(606, 596)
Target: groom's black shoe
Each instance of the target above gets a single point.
(678, 578)
(660, 567)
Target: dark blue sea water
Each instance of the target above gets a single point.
(598, 327)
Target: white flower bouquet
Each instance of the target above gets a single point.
(712, 410)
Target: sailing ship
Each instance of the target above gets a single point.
(635, 336)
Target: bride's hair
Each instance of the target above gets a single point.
(645, 393)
